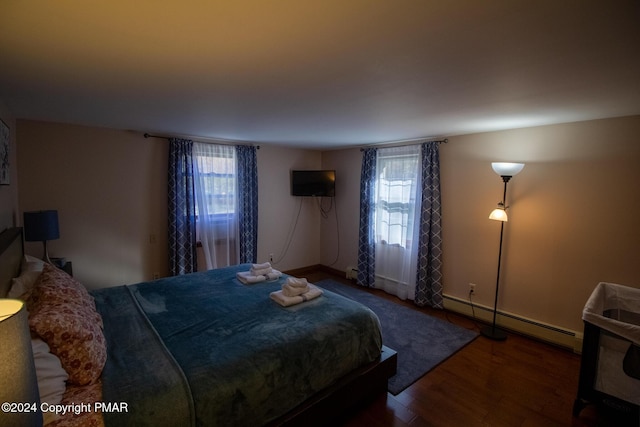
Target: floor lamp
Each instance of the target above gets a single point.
(506, 171)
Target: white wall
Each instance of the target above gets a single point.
(339, 237)
(107, 186)
(279, 211)
(561, 239)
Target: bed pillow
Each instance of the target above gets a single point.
(55, 286)
(52, 378)
(22, 285)
(30, 269)
(30, 263)
(63, 314)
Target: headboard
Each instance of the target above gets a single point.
(11, 252)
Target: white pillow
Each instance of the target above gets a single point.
(30, 263)
(52, 378)
(30, 269)
(23, 284)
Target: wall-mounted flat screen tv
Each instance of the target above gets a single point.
(318, 183)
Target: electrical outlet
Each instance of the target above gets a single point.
(270, 257)
(472, 288)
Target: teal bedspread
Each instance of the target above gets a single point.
(204, 349)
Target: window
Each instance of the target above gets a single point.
(397, 190)
(215, 182)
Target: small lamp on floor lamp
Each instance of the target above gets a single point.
(506, 172)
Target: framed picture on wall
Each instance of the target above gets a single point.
(5, 173)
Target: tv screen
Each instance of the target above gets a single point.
(318, 183)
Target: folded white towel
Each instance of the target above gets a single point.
(261, 271)
(293, 291)
(274, 274)
(261, 266)
(248, 279)
(297, 282)
(286, 301)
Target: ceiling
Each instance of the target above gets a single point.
(323, 73)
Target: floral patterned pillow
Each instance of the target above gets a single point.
(54, 285)
(63, 314)
(81, 394)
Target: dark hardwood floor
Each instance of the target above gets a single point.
(517, 382)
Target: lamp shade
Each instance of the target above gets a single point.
(40, 226)
(18, 382)
(507, 169)
(499, 214)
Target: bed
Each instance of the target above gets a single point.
(205, 349)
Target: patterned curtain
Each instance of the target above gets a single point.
(182, 219)
(366, 242)
(429, 277)
(248, 202)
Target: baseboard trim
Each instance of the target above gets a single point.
(543, 331)
(552, 334)
(332, 270)
(309, 269)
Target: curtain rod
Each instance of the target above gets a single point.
(391, 145)
(210, 141)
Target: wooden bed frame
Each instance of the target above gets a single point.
(11, 252)
(357, 387)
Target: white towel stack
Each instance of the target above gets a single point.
(261, 269)
(294, 291)
(258, 273)
(294, 287)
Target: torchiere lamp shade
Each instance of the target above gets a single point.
(40, 226)
(18, 382)
(507, 168)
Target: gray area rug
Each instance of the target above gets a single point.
(422, 341)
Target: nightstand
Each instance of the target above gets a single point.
(63, 265)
